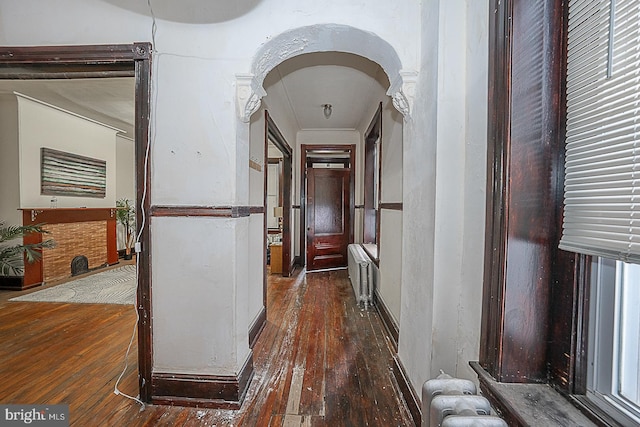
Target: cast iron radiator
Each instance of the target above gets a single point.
(361, 273)
(454, 402)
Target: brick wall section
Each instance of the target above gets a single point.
(78, 238)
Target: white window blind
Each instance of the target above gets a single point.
(602, 181)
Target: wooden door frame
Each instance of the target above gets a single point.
(271, 132)
(372, 134)
(304, 150)
(95, 61)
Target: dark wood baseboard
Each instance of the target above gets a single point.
(391, 206)
(297, 260)
(387, 320)
(15, 283)
(257, 327)
(413, 402)
(202, 391)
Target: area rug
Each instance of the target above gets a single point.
(115, 286)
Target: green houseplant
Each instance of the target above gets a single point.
(126, 216)
(12, 256)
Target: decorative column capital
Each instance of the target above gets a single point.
(248, 96)
(403, 92)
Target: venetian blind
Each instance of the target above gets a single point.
(602, 165)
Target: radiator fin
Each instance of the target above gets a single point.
(454, 402)
(361, 274)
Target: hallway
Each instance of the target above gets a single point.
(319, 361)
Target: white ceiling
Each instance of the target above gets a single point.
(107, 100)
(300, 86)
(351, 84)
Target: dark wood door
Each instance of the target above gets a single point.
(328, 218)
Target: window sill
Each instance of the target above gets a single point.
(529, 404)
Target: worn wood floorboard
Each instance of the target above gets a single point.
(320, 361)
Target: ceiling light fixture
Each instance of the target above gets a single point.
(327, 110)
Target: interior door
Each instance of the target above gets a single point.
(328, 217)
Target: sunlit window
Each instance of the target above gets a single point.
(614, 349)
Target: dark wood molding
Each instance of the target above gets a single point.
(497, 134)
(63, 62)
(33, 216)
(208, 211)
(522, 343)
(273, 134)
(392, 206)
(387, 320)
(411, 399)
(297, 260)
(304, 149)
(15, 283)
(203, 391)
(506, 411)
(514, 403)
(254, 210)
(83, 56)
(257, 327)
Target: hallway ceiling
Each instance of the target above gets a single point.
(350, 83)
(300, 87)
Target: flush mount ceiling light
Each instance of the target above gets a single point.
(327, 110)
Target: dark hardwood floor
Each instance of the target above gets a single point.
(320, 361)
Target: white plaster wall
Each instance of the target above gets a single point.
(391, 220)
(44, 126)
(256, 222)
(441, 298)
(125, 177)
(194, 318)
(474, 185)
(418, 222)
(390, 267)
(256, 266)
(449, 202)
(199, 150)
(125, 168)
(392, 124)
(9, 166)
(460, 196)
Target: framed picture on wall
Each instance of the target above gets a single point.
(68, 174)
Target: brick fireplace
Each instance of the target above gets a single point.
(78, 232)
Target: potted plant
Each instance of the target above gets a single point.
(126, 216)
(12, 257)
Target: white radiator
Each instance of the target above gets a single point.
(453, 402)
(361, 273)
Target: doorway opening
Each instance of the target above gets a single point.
(69, 63)
(327, 204)
(277, 199)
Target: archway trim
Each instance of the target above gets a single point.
(324, 38)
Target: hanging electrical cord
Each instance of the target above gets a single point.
(138, 247)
